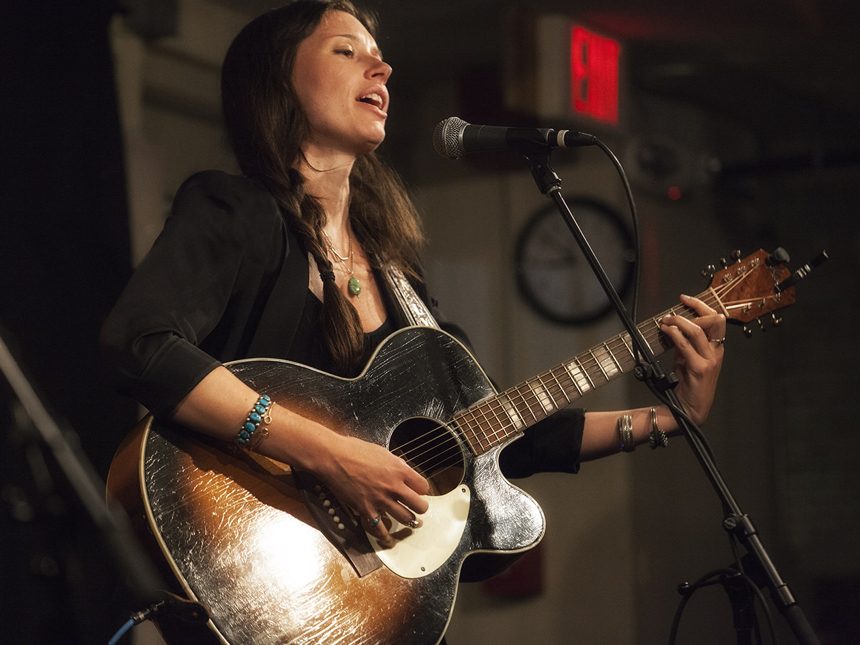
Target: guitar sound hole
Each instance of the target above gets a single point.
(431, 449)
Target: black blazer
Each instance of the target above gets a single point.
(225, 280)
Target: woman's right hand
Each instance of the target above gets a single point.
(363, 475)
(373, 482)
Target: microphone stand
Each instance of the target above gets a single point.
(648, 370)
(112, 523)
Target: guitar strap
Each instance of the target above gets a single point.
(413, 309)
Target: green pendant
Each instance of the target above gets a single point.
(354, 286)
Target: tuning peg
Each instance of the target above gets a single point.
(724, 262)
(747, 332)
(802, 272)
(775, 321)
(761, 324)
(779, 256)
(736, 255)
(709, 271)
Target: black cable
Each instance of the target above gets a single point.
(189, 611)
(705, 581)
(694, 433)
(635, 221)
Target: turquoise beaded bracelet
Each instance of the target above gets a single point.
(258, 414)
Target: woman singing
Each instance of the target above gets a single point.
(291, 261)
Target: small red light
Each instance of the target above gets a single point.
(674, 193)
(594, 75)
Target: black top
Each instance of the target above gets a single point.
(308, 347)
(226, 280)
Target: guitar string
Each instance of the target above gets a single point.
(481, 408)
(553, 392)
(507, 427)
(482, 424)
(600, 358)
(486, 416)
(475, 431)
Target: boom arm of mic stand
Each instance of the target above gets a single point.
(650, 371)
(550, 185)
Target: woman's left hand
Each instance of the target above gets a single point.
(698, 355)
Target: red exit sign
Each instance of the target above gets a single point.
(594, 75)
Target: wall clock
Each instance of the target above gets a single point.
(553, 275)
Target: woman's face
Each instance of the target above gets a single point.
(339, 78)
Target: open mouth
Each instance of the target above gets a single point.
(373, 99)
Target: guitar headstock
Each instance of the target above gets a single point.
(748, 289)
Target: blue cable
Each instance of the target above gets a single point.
(121, 632)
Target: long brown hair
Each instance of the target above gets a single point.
(266, 128)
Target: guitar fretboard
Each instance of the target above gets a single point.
(495, 420)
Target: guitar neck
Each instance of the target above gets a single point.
(493, 421)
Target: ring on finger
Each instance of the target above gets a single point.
(373, 521)
(718, 341)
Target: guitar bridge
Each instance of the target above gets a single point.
(338, 523)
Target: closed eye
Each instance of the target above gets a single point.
(349, 53)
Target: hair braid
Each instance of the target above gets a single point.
(341, 326)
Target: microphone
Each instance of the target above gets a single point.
(454, 138)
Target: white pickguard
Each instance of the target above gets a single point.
(423, 550)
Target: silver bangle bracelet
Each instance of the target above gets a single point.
(625, 431)
(657, 438)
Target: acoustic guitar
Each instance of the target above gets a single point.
(276, 558)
